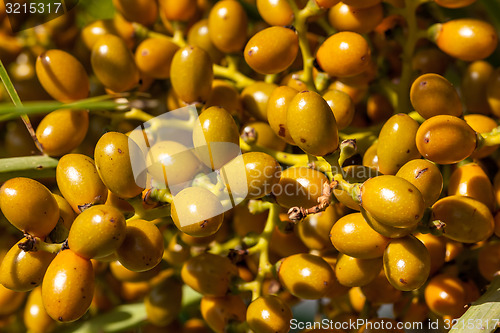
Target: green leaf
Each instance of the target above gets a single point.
(30, 166)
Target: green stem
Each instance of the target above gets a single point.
(284, 158)
(30, 166)
(241, 81)
(483, 316)
(147, 214)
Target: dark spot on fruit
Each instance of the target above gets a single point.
(302, 140)
(363, 58)
(421, 172)
(426, 140)
(204, 224)
(120, 151)
(417, 217)
(33, 283)
(112, 220)
(282, 131)
(410, 190)
(250, 52)
(60, 318)
(408, 151)
(474, 211)
(145, 53)
(423, 83)
(40, 167)
(403, 281)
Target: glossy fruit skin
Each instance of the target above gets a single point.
(445, 139)
(68, 287)
(143, 11)
(454, 3)
(467, 220)
(163, 302)
(275, 12)
(277, 107)
(204, 216)
(350, 50)
(436, 246)
(191, 74)
(305, 275)
(475, 85)
(226, 95)
(299, 186)
(10, 301)
(272, 50)
(23, 271)
(227, 25)
(97, 232)
(354, 174)
(209, 274)
(218, 312)
(154, 57)
(492, 92)
(266, 137)
(370, 158)
(396, 143)
(255, 98)
(392, 201)
(216, 137)
(467, 39)
(487, 260)
(481, 124)
(66, 213)
(29, 206)
(62, 76)
(57, 140)
(470, 180)
(123, 274)
(176, 10)
(426, 176)
(35, 317)
(315, 228)
(251, 176)
(353, 236)
(407, 263)
(142, 237)
(342, 107)
(124, 74)
(361, 20)
(311, 124)
(269, 314)
(445, 295)
(198, 35)
(113, 152)
(79, 182)
(361, 3)
(380, 291)
(432, 95)
(386, 230)
(355, 272)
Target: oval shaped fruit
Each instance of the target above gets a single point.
(197, 212)
(350, 50)
(396, 143)
(407, 263)
(311, 124)
(79, 182)
(218, 312)
(277, 107)
(342, 107)
(62, 76)
(436, 245)
(142, 248)
(353, 174)
(251, 175)
(481, 124)
(426, 176)
(123, 75)
(361, 20)
(68, 287)
(198, 35)
(475, 86)
(255, 98)
(23, 271)
(29, 206)
(299, 186)
(305, 275)
(178, 10)
(392, 200)
(209, 274)
(227, 25)
(466, 39)
(163, 302)
(57, 140)
(272, 50)
(355, 272)
(269, 314)
(35, 317)
(154, 57)
(114, 151)
(432, 95)
(216, 137)
(314, 230)
(445, 139)
(275, 12)
(97, 232)
(10, 301)
(353, 236)
(386, 230)
(470, 180)
(445, 295)
(466, 220)
(266, 137)
(66, 213)
(225, 94)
